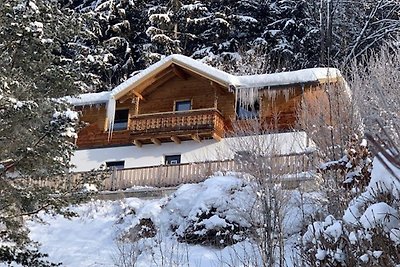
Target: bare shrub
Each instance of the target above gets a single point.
(256, 155)
(375, 85)
(369, 241)
(353, 174)
(329, 117)
(216, 214)
(369, 233)
(220, 237)
(365, 230)
(126, 254)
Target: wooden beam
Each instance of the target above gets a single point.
(152, 79)
(137, 143)
(163, 73)
(125, 97)
(196, 138)
(129, 95)
(158, 83)
(224, 90)
(220, 88)
(216, 137)
(156, 141)
(137, 107)
(176, 139)
(138, 95)
(179, 72)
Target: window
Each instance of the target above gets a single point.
(245, 112)
(121, 119)
(183, 105)
(172, 160)
(117, 165)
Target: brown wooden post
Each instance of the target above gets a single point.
(137, 106)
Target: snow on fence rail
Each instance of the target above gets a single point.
(290, 167)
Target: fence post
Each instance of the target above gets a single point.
(113, 174)
(180, 179)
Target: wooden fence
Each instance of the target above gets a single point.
(290, 167)
(172, 175)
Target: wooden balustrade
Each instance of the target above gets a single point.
(177, 123)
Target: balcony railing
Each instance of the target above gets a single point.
(176, 123)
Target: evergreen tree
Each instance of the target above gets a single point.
(292, 35)
(231, 29)
(163, 30)
(122, 36)
(36, 137)
(111, 47)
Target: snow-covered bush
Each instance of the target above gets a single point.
(144, 229)
(369, 232)
(347, 176)
(216, 212)
(354, 166)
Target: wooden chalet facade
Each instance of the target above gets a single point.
(180, 105)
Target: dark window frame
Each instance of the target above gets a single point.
(183, 102)
(173, 159)
(121, 122)
(250, 112)
(117, 164)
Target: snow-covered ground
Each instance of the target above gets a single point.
(92, 238)
(169, 231)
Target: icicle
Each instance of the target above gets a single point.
(271, 94)
(111, 116)
(288, 92)
(248, 96)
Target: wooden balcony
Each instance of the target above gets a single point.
(177, 126)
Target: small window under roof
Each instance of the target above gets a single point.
(183, 105)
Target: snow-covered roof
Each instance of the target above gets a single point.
(212, 73)
(242, 82)
(287, 78)
(314, 75)
(88, 99)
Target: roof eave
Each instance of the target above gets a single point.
(223, 82)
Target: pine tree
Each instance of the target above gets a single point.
(111, 47)
(37, 130)
(187, 27)
(293, 35)
(163, 31)
(231, 27)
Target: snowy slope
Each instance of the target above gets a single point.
(91, 239)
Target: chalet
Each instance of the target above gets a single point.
(180, 111)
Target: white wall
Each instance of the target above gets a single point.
(190, 151)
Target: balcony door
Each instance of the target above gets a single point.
(121, 119)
